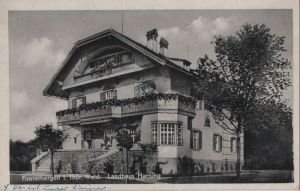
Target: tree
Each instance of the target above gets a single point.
(248, 69)
(48, 138)
(21, 153)
(125, 141)
(269, 136)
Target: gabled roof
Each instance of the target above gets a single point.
(55, 82)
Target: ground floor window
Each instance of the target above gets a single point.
(131, 132)
(197, 140)
(217, 143)
(233, 144)
(167, 133)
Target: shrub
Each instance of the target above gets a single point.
(148, 147)
(108, 168)
(157, 169)
(187, 165)
(213, 167)
(59, 167)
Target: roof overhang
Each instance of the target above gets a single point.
(158, 58)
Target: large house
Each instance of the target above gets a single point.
(110, 82)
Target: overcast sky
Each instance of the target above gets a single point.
(40, 40)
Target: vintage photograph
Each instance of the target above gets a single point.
(151, 96)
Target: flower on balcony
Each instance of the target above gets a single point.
(135, 100)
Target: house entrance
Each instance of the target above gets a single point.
(97, 137)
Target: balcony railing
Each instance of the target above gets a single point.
(132, 108)
(127, 107)
(68, 117)
(96, 112)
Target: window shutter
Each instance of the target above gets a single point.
(190, 123)
(191, 139)
(115, 94)
(136, 90)
(102, 96)
(221, 140)
(214, 142)
(200, 140)
(231, 144)
(84, 100)
(74, 103)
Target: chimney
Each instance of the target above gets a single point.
(186, 64)
(163, 46)
(152, 39)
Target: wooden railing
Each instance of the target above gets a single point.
(96, 112)
(68, 117)
(132, 106)
(150, 105)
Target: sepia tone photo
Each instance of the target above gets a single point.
(151, 96)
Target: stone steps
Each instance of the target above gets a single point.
(45, 166)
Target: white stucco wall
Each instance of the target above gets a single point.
(207, 152)
(72, 131)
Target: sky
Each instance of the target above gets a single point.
(40, 40)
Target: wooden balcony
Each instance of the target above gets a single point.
(70, 118)
(140, 108)
(95, 112)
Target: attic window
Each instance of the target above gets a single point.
(207, 121)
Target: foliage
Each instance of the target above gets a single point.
(124, 139)
(49, 138)
(59, 166)
(133, 167)
(248, 69)
(148, 147)
(21, 154)
(157, 168)
(108, 167)
(269, 136)
(128, 101)
(143, 167)
(187, 165)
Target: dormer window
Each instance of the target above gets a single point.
(109, 94)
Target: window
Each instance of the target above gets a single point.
(233, 144)
(179, 135)
(144, 88)
(217, 143)
(207, 121)
(197, 140)
(131, 132)
(154, 133)
(75, 139)
(78, 101)
(167, 133)
(107, 95)
(88, 135)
